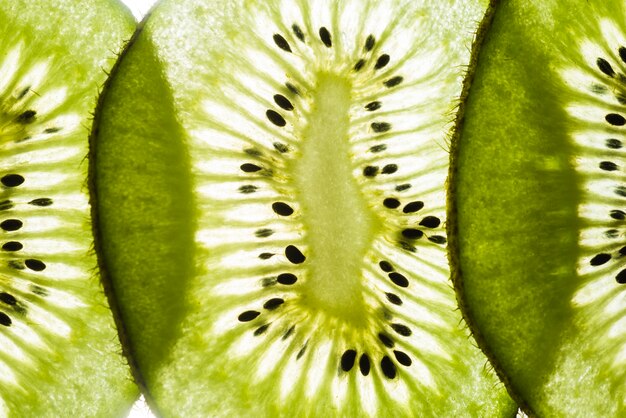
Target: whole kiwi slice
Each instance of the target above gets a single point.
(536, 221)
(270, 209)
(59, 352)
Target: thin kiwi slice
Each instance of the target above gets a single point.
(537, 217)
(270, 204)
(59, 352)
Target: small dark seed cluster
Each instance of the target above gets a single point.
(615, 120)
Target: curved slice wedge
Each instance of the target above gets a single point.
(59, 351)
(270, 208)
(538, 205)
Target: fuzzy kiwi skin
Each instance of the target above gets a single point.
(81, 373)
(513, 206)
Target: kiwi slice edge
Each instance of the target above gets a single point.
(536, 205)
(60, 349)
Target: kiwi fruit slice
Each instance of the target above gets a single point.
(536, 221)
(59, 352)
(270, 209)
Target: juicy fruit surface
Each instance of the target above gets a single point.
(539, 205)
(59, 353)
(273, 223)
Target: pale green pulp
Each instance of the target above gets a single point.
(338, 222)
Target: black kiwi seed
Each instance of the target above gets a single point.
(615, 119)
(373, 106)
(391, 203)
(282, 209)
(402, 358)
(369, 43)
(600, 259)
(247, 189)
(605, 67)
(260, 330)
(618, 214)
(281, 42)
(283, 102)
(43, 201)
(286, 278)
(359, 64)
(411, 233)
(35, 265)
(378, 148)
(402, 187)
(388, 368)
(413, 207)
(386, 340)
(12, 180)
(39, 291)
(608, 166)
(282, 148)
(380, 127)
(253, 152)
(292, 88)
(399, 280)
(347, 360)
(5, 320)
(11, 224)
(294, 255)
(402, 329)
(437, 239)
(393, 298)
(430, 222)
(27, 117)
(390, 169)
(622, 53)
(370, 171)
(298, 32)
(248, 316)
(289, 332)
(275, 118)
(381, 61)
(249, 168)
(385, 266)
(620, 191)
(263, 233)
(12, 246)
(266, 256)
(621, 277)
(394, 81)
(364, 364)
(622, 251)
(613, 143)
(52, 130)
(302, 351)
(7, 298)
(273, 303)
(325, 37)
(611, 233)
(6, 205)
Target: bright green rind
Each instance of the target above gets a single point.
(84, 373)
(516, 206)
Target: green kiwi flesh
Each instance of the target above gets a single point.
(269, 206)
(536, 221)
(59, 351)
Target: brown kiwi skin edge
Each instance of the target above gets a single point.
(456, 273)
(105, 279)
